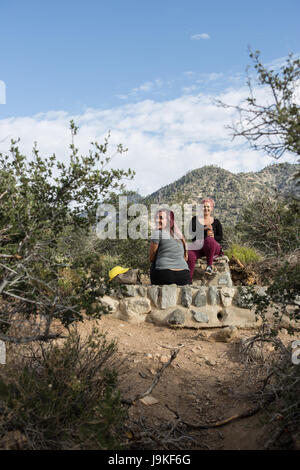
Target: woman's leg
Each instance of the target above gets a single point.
(211, 248)
(193, 256)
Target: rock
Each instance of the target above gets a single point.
(142, 291)
(177, 317)
(164, 359)
(148, 400)
(261, 290)
(130, 277)
(153, 294)
(130, 291)
(244, 297)
(133, 291)
(168, 296)
(225, 335)
(226, 294)
(200, 298)
(135, 309)
(225, 280)
(204, 335)
(186, 296)
(200, 317)
(210, 363)
(109, 302)
(213, 295)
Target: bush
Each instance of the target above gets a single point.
(271, 225)
(245, 254)
(63, 396)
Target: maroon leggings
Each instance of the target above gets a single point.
(211, 249)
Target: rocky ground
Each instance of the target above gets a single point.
(207, 382)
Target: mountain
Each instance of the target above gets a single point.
(230, 191)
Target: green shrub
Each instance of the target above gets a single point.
(63, 396)
(245, 254)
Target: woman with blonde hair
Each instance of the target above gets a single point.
(209, 246)
(168, 252)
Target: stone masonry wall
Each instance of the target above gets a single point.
(211, 301)
(189, 306)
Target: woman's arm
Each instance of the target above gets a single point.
(153, 251)
(218, 231)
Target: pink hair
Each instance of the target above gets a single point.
(209, 200)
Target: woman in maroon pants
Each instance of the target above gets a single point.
(211, 229)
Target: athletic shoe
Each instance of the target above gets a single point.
(209, 270)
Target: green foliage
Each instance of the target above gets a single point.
(245, 254)
(64, 396)
(128, 253)
(46, 207)
(282, 297)
(271, 225)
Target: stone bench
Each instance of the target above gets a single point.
(197, 306)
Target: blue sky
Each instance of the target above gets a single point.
(120, 64)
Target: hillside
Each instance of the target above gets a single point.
(230, 191)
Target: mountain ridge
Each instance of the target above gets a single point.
(229, 190)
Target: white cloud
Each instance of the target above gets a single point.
(198, 36)
(165, 139)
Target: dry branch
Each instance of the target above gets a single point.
(155, 380)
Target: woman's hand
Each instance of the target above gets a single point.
(210, 233)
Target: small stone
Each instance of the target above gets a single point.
(227, 294)
(186, 296)
(164, 359)
(176, 317)
(149, 400)
(168, 296)
(284, 331)
(213, 295)
(225, 280)
(148, 356)
(225, 335)
(210, 363)
(200, 317)
(130, 291)
(200, 298)
(153, 294)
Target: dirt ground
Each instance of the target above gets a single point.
(205, 383)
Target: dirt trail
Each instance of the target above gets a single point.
(205, 383)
